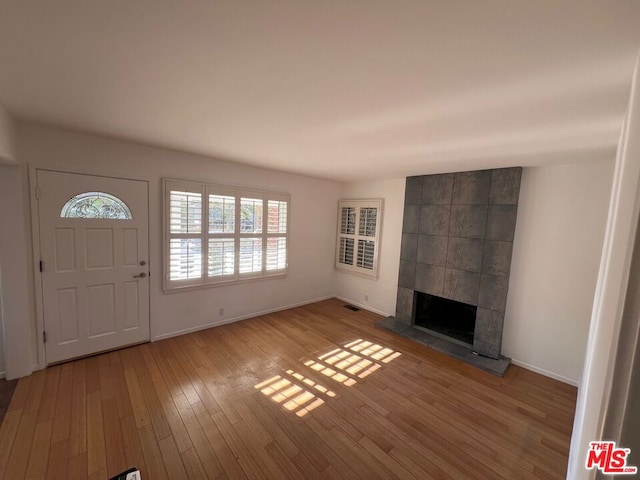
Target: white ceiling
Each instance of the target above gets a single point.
(338, 89)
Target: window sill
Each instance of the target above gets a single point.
(363, 274)
(188, 288)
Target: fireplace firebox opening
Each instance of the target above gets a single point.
(447, 317)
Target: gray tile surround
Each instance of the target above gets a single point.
(437, 189)
(404, 307)
(501, 222)
(496, 259)
(409, 246)
(432, 250)
(407, 275)
(468, 221)
(435, 219)
(505, 186)
(461, 286)
(488, 334)
(471, 188)
(458, 232)
(493, 292)
(465, 254)
(429, 279)
(413, 191)
(411, 219)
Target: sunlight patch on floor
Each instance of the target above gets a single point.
(356, 360)
(373, 350)
(328, 372)
(292, 396)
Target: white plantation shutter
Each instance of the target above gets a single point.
(366, 251)
(222, 214)
(221, 254)
(251, 216)
(186, 258)
(348, 220)
(185, 212)
(358, 236)
(250, 255)
(185, 234)
(368, 217)
(221, 257)
(276, 253)
(346, 251)
(277, 215)
(216, 234)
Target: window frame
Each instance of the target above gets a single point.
(358, 204)
(205, 190)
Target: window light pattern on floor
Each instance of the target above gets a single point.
(292, 396)
(373, 350)
(356, 360)
(342, 364)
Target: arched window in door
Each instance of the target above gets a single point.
(96, 205)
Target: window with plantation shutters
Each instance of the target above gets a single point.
(219, 235)
(185, 229)
(358, 236)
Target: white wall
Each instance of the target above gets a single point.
(17, 309)
(562, 214)
(381, 292)
(7, 156)
(312, 217)
(7, 137)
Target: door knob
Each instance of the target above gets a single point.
(140, 275)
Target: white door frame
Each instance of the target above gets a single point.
(594, 393)
(35, 239)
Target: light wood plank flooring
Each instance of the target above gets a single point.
(314, 392)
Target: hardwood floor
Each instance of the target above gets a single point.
(314, 392)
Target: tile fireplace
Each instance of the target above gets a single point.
(457, 241)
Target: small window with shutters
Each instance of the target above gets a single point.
(358, 236)
(220, 235)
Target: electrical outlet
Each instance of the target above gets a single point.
(221, 312)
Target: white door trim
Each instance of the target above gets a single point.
(613, 281)
(35, 240)
(36, 251)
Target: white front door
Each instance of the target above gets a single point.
(95, 274)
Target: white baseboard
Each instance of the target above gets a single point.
(362, 305)
(546, 373)
(236, 319)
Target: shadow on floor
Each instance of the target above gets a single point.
(6, 392)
